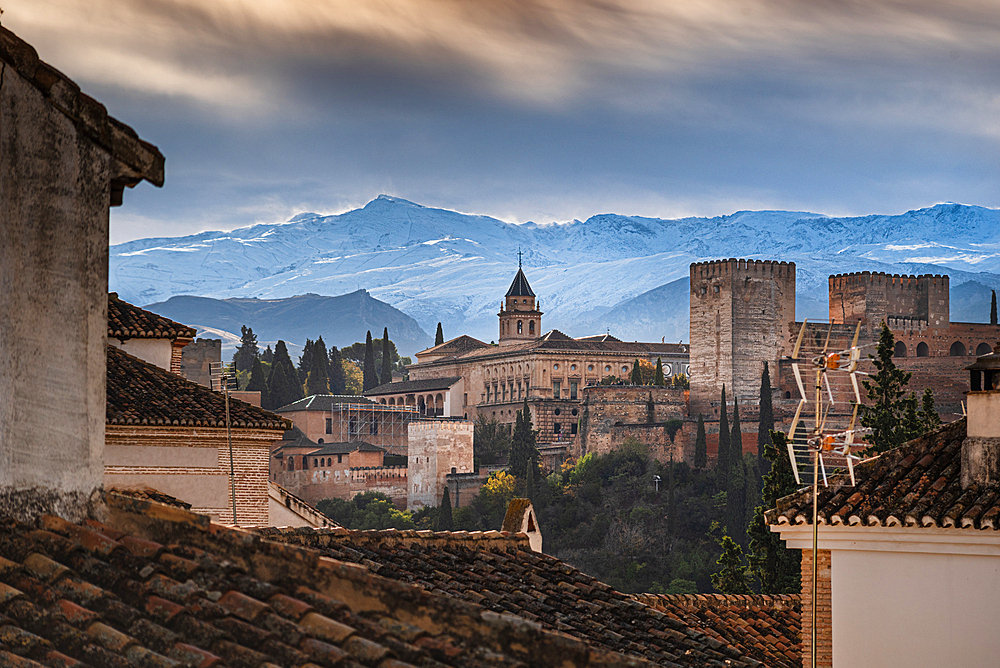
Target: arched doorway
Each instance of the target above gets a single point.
(923, 350)
(983, 349)
(958, 349)
(899, 350)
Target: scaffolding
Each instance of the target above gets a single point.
(377, 424)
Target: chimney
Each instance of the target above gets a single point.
(981, 447)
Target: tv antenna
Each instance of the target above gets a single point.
(222, 381)
(826, 431)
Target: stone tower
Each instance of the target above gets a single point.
(741, 311)
(903, 302)
(520, 320)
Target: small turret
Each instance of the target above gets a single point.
(520, 319)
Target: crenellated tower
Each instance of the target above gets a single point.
(904, 302)
(520, 319)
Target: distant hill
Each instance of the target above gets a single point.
(340, 320)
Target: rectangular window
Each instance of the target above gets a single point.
(505, 393)
(572, 428)
(340, 459)
(329, 425)
(465, 399)
(572, 389)
(556, 427)
(556, 389)
(519, 390)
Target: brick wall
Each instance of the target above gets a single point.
(824, 617)
(436, 447)
(390, 480)
(612, 413)
(195, 358)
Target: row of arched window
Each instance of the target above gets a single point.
(320, 462)
(957, 349)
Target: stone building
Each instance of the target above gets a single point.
(197, 358)
(550, 370)
(441, 456)
(63, 163)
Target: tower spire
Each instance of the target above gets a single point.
(518, 257)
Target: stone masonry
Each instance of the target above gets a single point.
(436, 449)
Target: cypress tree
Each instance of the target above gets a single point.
(736, 502)
(247, 351)
(439, 336)
(636, 373)
(723, 461)
(335, 373)
(766, 422)
(650, 410)
(658, 378)
(369, 375)
(444, 518)
(929, 418)
(700, 445)
(671, 499)
(267, 355)
(318, 381)
(523, 448)
(386, 375)
(776, 568)
(283, 386)
(885, 389)
(736, 442)
(732, 575)
(751, 493)
(258, 383)
(305, 361)
(993, 308)
(529, 483)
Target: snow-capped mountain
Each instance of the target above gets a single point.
(439, 265)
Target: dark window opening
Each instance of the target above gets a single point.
(957, 349)
(329, 425)
(572, 428)
(923, 350)
(556, 427)
(899, 350)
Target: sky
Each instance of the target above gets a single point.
(542, 111)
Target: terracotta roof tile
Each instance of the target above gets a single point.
(915, 485)
(140, 393)
(126, 321)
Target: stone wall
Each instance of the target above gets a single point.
(436, 448)
(873, 297)
(196, 357)
(389, 480)
(612, 413)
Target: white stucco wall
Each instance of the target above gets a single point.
(154, 351)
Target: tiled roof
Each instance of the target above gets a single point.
(345, 448)
(459, 344)
(916, 485)
(519, 287)
(505, 576)
(126, 321)
(767, 628)
(140, 393)
(85, 112)
(322, 402)
(158, 587)
(425, 385)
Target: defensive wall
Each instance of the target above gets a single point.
(871, 297)
(196, 357)
(612, 413)
(437, 448)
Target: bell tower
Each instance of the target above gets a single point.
(520, 320)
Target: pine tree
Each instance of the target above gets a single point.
(910, 424)
(444, 518)
(439, 336)
(993, 308)
(283, 385)
(247, 351)
(776, 567)
(305, 361)
(335, 372)
(523, 448)
(723, 461)
(369, 375)
(765, 423)
(732, 576)
(267, 355)
(650, 409)
(636, 378)
(658, 378)
(929, 418)
(700, 445)
(318, 381)
(258, 383)
(386, 375)
(885, 390)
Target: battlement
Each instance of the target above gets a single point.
(371, 473)
(438, 425)
(714, 268)
(871, 297)
(880, 278)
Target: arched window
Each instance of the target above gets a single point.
(923, 350)
(291, 463)
(305, 462)
(958, 349)
(788, 395)
(518, 326)
(899, 350)
(983, 349)
(531, 327)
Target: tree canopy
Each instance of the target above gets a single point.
(886, 390)
(523, 448)
(247, 351)
(283, 385)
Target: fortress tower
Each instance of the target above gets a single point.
(904, 302)
(741, 311)
(519, 319)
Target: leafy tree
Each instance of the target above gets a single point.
(680, 380)
(776, 568)
(439, 336)
(723, 462)
(317, 381)
(283, 385)
(386, 375)
(444, 518)
(658, 378)
(636, 378)
(929, 418)
(732, 576)
(523, 448)
(268, 355)
(356, 353)
(993, 307)
(247, 351)
(650, 409)
(765, 423)
(258, 382)
(370, 376)
(490, 440)
(885, 390)
(335, 372)
(700, 445)
(368, 510)
(353, 380)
